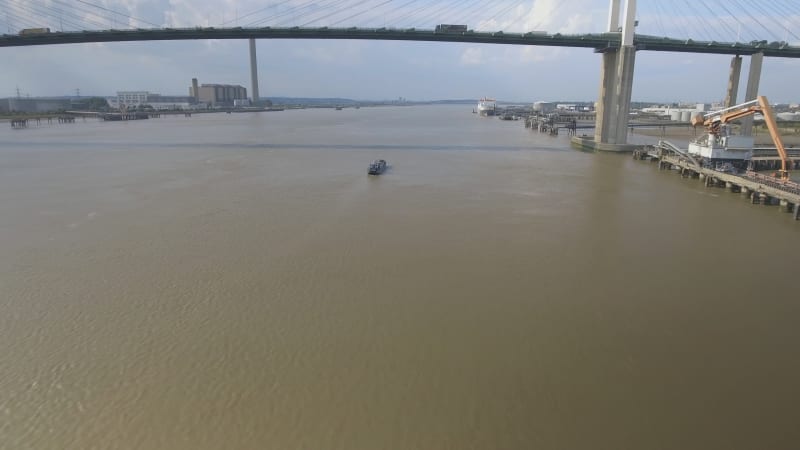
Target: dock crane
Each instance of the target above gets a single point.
(714, 122)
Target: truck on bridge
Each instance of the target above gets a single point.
(27, 31)
(446, 28)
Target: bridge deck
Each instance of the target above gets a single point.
(598, 41)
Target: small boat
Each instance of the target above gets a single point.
(377, 167)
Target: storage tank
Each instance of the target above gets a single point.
(686, 116)
(543, 107)
(674, 115)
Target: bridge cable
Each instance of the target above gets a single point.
(397, 8)
(740, 24)
(424, 22)
(435, 12)
(27, 20)
(331, 5)
(787, 14)
(255, 12)
(24, 20)
(701, 25)
(472, 9)
(752, 17)
(34, 11)
(128, 16)
(411, 16)
(721, 21)
(779, 25)
(93, 18)
(303, 14)
(511, 24)
(657, 16)
(412, 13)
(502, 12)
(698, 26)
(284, 13)
(478, 13)
(676, 22)
(360, 13)
(30, 15)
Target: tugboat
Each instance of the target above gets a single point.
(377, 167)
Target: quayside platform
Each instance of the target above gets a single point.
(758, 188)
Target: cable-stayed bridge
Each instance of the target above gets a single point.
(597, 41)
(698, 20)
(733, 27)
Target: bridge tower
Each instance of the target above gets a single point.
(253, 71)
(616, 81)
(751, 92)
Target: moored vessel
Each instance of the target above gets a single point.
(487, 106)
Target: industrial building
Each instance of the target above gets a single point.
(216, 95)
(131, 99)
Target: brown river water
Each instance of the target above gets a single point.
(237, 281)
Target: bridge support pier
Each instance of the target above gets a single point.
(733, 81)
(745, 192)
(753, 79)
(616, 83)
(253, 72)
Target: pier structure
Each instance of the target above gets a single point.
(756, 187)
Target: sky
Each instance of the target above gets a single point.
(383, 70)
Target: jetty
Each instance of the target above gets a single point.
(756, 187)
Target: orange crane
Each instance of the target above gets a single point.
(714, 121)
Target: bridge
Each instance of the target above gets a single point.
(618, 42)
(600, 42)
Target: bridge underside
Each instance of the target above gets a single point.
(596, 41)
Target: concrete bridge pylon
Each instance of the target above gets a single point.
(253, 71)
(616, 81)
(616, 78)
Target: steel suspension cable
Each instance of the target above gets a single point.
(128, 16)
(401, 9)
(769, 16)
(35, 11)
(335, 12)
(359, 13)
(752, 17)
(90, 17)
(658, 19)
(713, 14)
(702, 30)
(284, 13)
(256, 12)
